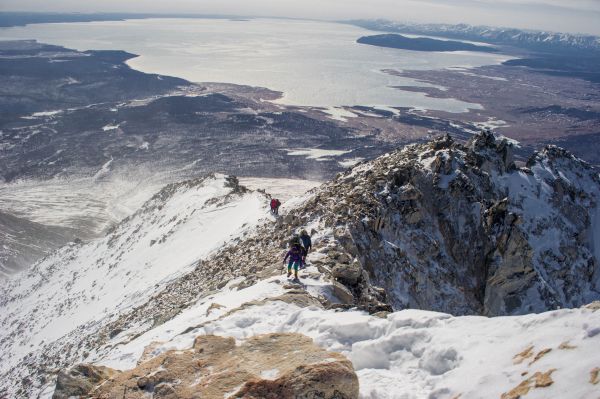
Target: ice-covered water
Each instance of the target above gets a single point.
(312, 63)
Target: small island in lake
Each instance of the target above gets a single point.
(392, 40)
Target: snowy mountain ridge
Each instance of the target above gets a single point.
(80, 286)
(507, 36)
(435, 227)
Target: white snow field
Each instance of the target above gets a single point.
(80, 285)
(409, 354)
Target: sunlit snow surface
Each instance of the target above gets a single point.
(312, 63)
(410, 354)
(316, 153)
(81, 285)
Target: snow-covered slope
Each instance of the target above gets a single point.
(22, 242)
(40, 216)
(406, 354)
(83, 286)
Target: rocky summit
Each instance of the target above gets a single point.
(460, 228)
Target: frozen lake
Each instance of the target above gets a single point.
(311, 63)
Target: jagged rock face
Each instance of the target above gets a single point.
(460, 229)
(267, 366)
(545, 244)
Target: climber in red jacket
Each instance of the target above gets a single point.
(275, 203)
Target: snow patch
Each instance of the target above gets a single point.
(491, 124)
(317, 153)
(42, 114)
(515, 143)
(269, 374)
(108, 128)
(349, 162)
(104, 170)
(339, 113)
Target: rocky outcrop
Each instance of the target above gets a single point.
(461, 229)
(267, 366)
(336, 257)
(80, 380)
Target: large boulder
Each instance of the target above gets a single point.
(347, 273)
(266, 366)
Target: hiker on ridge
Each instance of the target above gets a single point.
(295, 255)
(306, 244)
(275, 204)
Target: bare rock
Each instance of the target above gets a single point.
(593, 306)
(408, 192)
(80, 380)
(278, 366)
(326, 380)
(299, 298)
(342, 293)
(347, 273)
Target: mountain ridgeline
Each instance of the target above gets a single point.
(531, 40)
(551, 53)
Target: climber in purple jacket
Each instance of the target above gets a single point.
(295, 255)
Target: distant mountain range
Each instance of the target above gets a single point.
(532, 40)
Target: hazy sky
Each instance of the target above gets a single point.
(558, 15)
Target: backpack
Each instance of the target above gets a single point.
(294, 241)
(306, 241)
